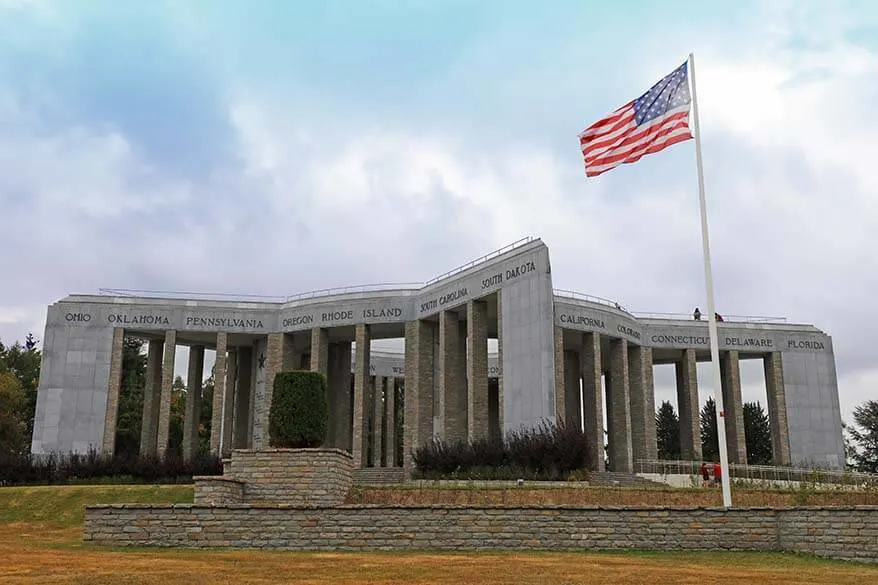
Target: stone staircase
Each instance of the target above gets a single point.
(396, 475)
(617, 479)
(379, 475)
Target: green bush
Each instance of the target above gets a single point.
(299, 410)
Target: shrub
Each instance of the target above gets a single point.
(299, 410)
(547, 452)
(92, 467)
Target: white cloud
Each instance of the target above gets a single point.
(855, 387)
(73, 170)
(12, 314)
(16, 3)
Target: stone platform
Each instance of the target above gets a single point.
(309, 477)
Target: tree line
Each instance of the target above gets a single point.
(860, 438)
(131, 392)
(757, 433)
(20, 371)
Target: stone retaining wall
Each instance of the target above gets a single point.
(849, 533)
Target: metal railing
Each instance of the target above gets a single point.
(130, 292)
(572, 294)
(123, 292)
(481, 259)
(726, 318)
(762, 474)
(166, 294)
(408, 286)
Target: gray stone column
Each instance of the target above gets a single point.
(273, 364)
(477, 368)
(320, 351)
(500, 407)
(390, 423)
(733, 406)
(228, 405)
(649, 390)
(219, 385)
(108, 444)
(687, 404)
(572, 394)
(418, 419)
(452, 377)
(642, 393)
(592, 396)
(618, 409)
(242, 397)
(560, 377)
(191, 417)
(362, 378)
(438, 418)
(167, 385)
(777, 408)
(156, 399)
(254, 439)
(151, 390)
(339, 388)
(378, 422)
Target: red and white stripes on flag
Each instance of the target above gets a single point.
(654, 121)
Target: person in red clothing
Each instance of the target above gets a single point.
(705, 475)
(717, 474)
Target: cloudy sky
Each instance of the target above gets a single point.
(278, 147)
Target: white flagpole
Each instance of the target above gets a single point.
(711, 310)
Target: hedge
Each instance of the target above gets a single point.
(547, 452)
(91, 467)
(299, 410)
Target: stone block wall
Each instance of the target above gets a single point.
(841, 533)
(218, 491)
(319, 477)
(850, 533)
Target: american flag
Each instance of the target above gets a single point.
(650, 123)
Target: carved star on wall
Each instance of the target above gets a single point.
(261, 361)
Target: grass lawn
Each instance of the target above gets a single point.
(40, 542)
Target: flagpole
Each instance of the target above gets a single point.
(711, 310)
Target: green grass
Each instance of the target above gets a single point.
(738, 559)
(63, 506)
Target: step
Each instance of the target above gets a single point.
(619, 479)
(379, 475)
(396, 475)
